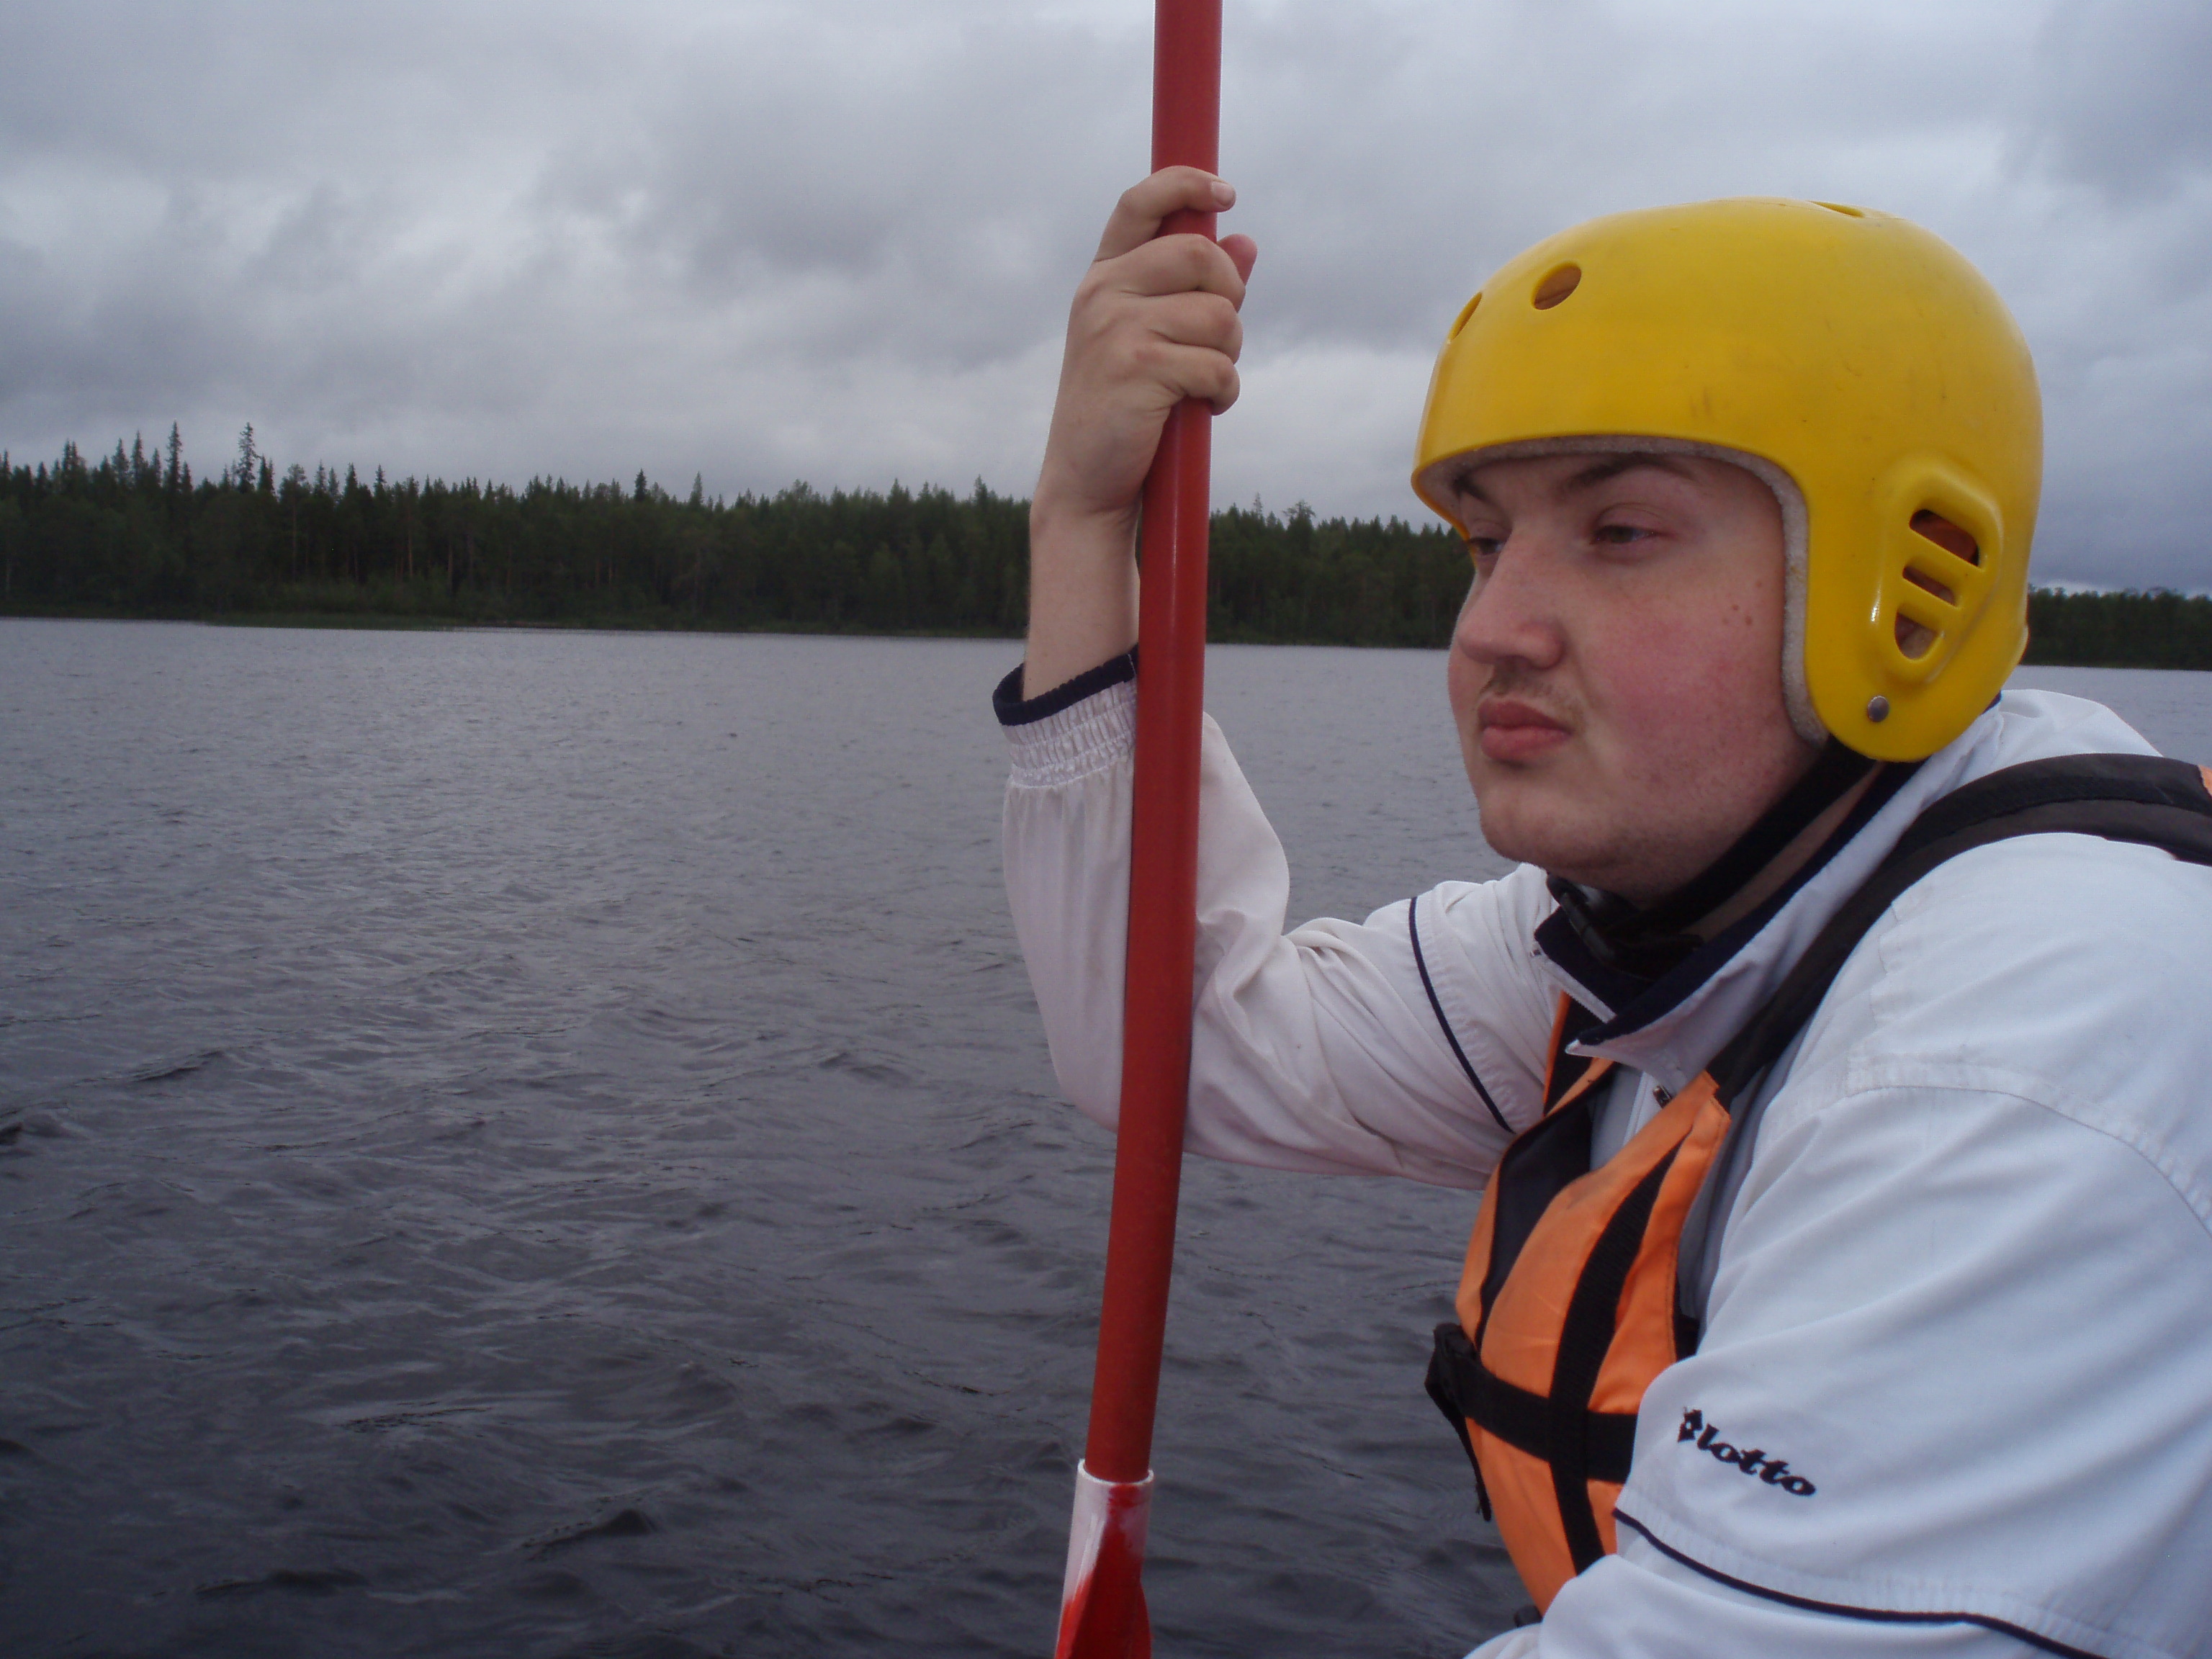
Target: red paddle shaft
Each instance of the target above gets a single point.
(1103, 1614)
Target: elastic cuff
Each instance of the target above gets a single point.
(1093, 732)
(1012, 709)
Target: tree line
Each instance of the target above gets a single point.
(136, 534)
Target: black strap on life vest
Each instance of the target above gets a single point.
(2141, 799)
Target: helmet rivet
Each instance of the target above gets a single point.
(1877, 709)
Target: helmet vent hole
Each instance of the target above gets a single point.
(1934, 527)
(1559, 282)
(1460, 322)
(1915, 639)
(1838, 207)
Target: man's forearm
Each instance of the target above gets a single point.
(1083, 593)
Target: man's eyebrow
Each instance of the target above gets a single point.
(1597, 473)
(1464, 484)
(1612, 467)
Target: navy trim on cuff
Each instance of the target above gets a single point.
(1008, 704)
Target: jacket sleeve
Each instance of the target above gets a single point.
(1652, 1607)
(1408, 1044)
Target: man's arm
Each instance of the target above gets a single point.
(1154, 321)
(1323, 1047)
(1328, 1047)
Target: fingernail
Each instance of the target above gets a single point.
(1224, 192)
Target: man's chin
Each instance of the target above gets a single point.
(1521, 823)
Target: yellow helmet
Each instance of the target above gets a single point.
(1857, 354)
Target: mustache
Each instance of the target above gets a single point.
(1516, 680)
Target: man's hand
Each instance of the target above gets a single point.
(1154, 322)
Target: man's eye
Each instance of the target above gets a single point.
(1484, 548)
(1621, 535)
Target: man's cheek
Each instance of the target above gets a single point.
(1666, 699)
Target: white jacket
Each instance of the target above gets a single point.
(1964, 1286)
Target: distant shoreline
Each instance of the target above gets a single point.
(386, 622)
(2067, 630)
(134, 535)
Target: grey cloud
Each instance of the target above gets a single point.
(2116, 99)
(1393, 157)
(835, 239)
(908, 179)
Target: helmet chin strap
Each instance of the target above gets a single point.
(1649, 939)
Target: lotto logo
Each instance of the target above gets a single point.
(1774, 1471)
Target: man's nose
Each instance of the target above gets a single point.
(1512, 611)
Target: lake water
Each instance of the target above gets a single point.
(540, 1143)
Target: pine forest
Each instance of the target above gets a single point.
(135, 534)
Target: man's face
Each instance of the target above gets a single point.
(1616, 672)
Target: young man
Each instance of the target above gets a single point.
(1845, 1289)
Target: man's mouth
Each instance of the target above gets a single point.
(1510, 729)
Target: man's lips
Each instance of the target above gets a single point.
(1510, 729)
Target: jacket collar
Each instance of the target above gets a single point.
(1670, 1029)
(1639, 1001)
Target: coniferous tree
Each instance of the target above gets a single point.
(79, 538)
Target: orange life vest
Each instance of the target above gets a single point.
(1571, 1302)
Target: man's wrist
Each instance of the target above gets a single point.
(1016, 704)
(1083, 589)
(1065, 524)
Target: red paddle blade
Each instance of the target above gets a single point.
(1102, 1607)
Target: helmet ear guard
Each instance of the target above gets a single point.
(1938, 563)
(1934, 583)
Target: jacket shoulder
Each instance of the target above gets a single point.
(2066, 969)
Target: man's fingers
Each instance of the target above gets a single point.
(1154, 321)
(1195, 372)
(1138, 215)
(1174, 264)
(1129, 340)
(1198, 319)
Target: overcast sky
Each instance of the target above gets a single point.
(833, 239)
